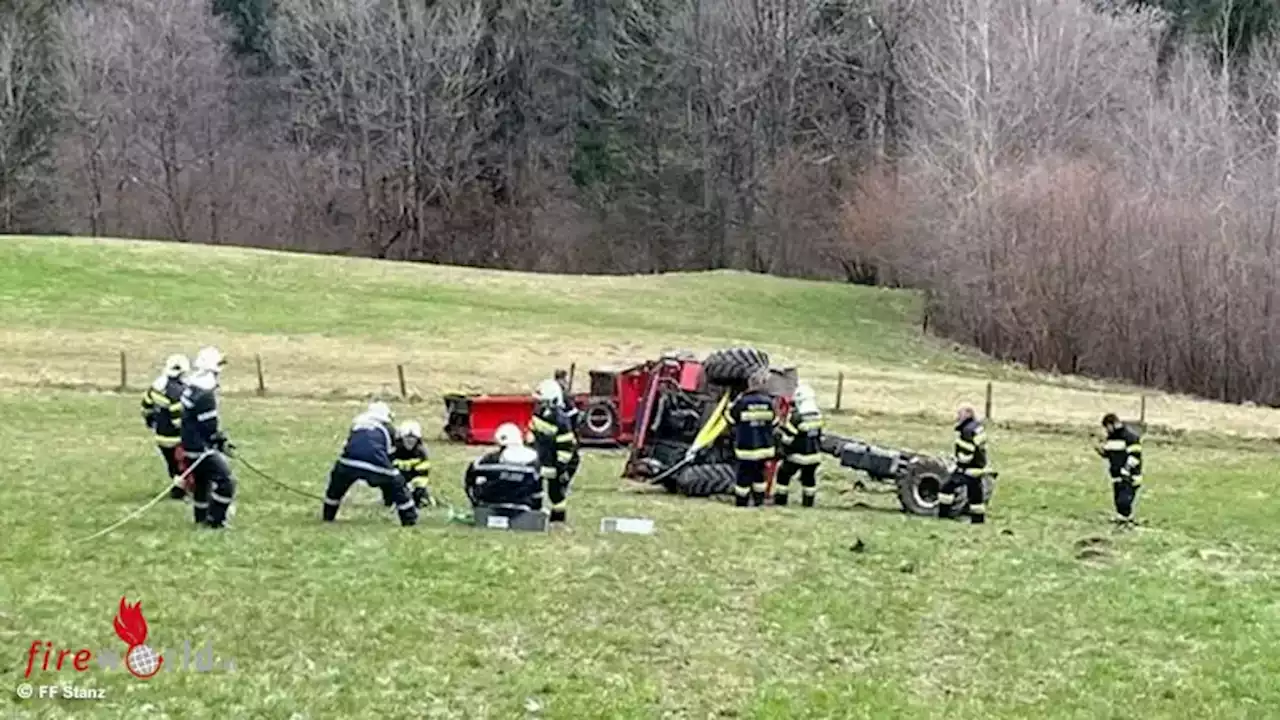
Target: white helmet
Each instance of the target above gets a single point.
(209, 359)
(803, 394)
(380, 412)
(411, 429)
(508, 435)
(549, 391)
(177, 365)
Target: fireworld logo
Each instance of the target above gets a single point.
(131, 627)
(139, 659)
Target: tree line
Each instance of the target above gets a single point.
(1087, 187)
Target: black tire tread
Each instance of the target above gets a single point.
(733, 366)
(706, 480)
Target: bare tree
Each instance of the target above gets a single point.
(29, 104)
(1077, 219)
(401, 96)
(150, 115)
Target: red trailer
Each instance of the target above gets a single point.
(609, 409)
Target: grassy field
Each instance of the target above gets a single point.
(1044, 612)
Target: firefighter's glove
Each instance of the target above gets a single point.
(224, 446)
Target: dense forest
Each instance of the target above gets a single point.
(1084, 187)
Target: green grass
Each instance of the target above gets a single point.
(1044, 612)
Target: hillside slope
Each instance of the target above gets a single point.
(331, 326)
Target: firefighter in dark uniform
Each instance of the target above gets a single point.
(414, 464)
(801, 436)
(367, 456)
(971, 467)
(162, 411)
(204, 443)
(507, 480)
(556, 443)
(1123, 452)
(754, 422)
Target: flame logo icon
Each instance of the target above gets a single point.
(131, 627)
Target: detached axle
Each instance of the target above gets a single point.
(917, 478)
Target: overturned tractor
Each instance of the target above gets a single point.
(682, 410)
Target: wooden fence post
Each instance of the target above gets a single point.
(1142, 411)
(124, 372)
(404, 391)
(839, 389)
(573, 368)
(262, 383)
(986, 416)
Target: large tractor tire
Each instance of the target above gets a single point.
(918, 491)
(706, 480)
(734, 366)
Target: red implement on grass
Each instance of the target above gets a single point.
(608, 409)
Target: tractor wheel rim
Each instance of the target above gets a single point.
(925, 492)
(599, 419)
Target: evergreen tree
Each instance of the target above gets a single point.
(251, 20)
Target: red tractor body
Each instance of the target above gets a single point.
(609, 408)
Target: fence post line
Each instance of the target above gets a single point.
(124, 372)
(839, 389)
(1142, 411)
(404, 392)
(987, 415)
(262, 383)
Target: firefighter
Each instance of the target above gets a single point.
(367, 456)
(566, 402)
(971, 467)
(754, 424)
(414, 464)
(801, 436)
(1123, 452)
(557, 446)
(162, 411)
(204, 444)
(507, 480)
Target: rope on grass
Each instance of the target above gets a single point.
(150, 504)
(277, 483)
